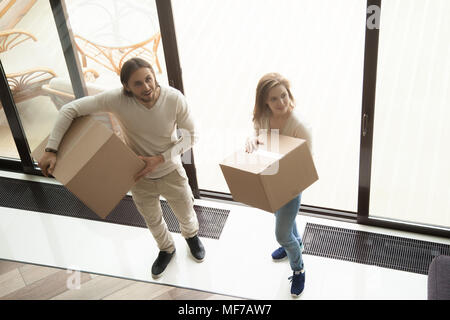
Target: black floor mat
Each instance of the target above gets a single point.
(56, 199)
(371, 248)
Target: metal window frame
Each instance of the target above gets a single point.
(67, 41)
(174, 73)
(17, 130)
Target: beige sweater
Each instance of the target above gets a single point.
(293, 128)
(148, 132)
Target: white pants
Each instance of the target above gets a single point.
(174, 187)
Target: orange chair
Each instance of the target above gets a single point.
(28, 84)
(11, 38)
(113, 58)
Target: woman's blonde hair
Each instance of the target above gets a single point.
(267, 82)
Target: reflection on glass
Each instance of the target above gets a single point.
(226, 46)
(411, 158)
(109, 32)
(31, 56)
(106, 32)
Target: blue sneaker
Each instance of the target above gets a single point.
(298, 283)
(280, 254)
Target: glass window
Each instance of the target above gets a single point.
(106, 34)
(226, 46)
(411, 158)
(109, 32)
(31, 56)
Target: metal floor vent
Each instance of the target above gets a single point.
(371, 248)
(56, 199)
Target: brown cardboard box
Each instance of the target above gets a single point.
(94, 164)
(273, 175)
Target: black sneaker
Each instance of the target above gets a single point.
(161, 263)
(196, 247)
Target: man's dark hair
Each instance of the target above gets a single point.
(131, 66)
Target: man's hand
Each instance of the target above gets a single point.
(150, 164)
(47, 163)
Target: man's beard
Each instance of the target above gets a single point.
(148, 98)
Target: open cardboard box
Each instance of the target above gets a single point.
(271, 176)
(94, 164)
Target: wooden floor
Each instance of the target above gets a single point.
(19, 281)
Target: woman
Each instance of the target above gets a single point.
(274, 105)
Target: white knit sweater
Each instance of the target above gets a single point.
(148, 132)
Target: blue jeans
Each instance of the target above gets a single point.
(287, 234)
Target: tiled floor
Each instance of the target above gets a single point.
(237, 265)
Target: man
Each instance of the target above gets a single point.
(148, 115)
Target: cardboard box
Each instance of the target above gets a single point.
(273, 175)
(94, 164)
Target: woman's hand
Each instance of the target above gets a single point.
(252, 144)
(47, 163)
(150, 165)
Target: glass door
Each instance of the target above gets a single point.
(410, 156)
(227, 46)
(31, 56)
